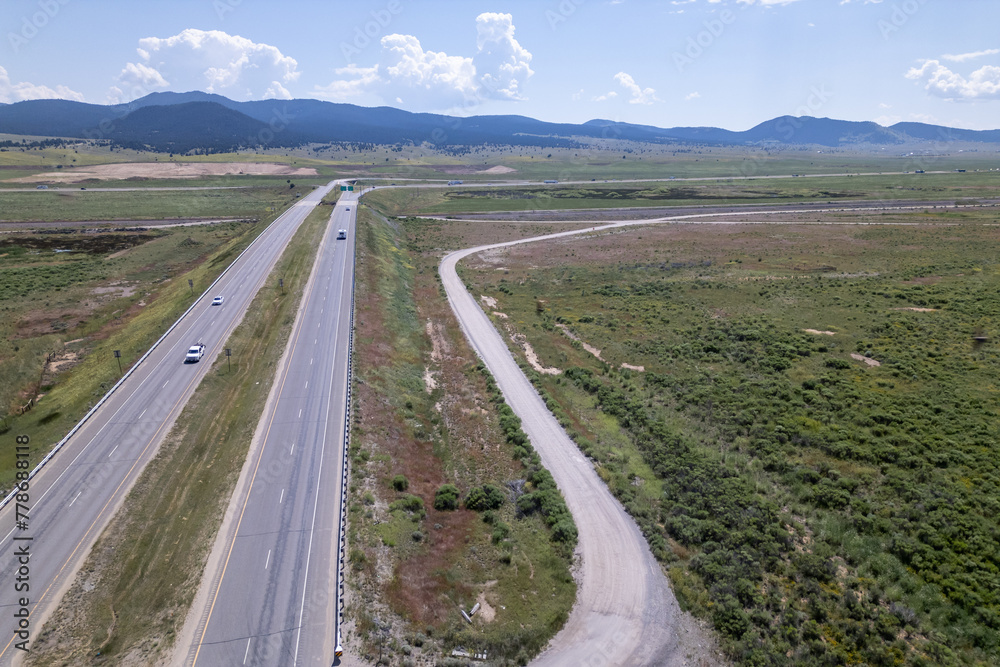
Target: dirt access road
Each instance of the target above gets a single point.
(625, 613)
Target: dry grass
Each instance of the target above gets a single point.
(405, 330)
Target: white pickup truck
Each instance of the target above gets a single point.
(194, 353)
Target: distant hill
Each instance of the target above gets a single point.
(181, 122)
(181, 128)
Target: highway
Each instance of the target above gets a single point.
(74, 496)
(268, 594)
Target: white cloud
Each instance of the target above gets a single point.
(867, 2)
(886, 121)
(501, 62)
(430, 80)
(889, 120)
(213, 61)
(607, 96)
(639, 95)
(277, 92)
(962, 57)
(982, 84)
(18, 92)
(139, 78)
(692, 96)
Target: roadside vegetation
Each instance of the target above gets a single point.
(68, 300)
(132, 594)
(802, 420)
(470, 198)
(448, 505)
(152, 205)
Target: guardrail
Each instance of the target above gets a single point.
(341, 537)
(59, 445)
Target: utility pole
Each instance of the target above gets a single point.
(118, 356)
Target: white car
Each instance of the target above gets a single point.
(342, 234)
(217, 301)
(195, 353)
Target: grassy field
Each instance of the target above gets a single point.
(133, 593)
(81, 206)
(599, 160)
(16, 163)
(811, 445)
(626, 160)
(600, 195)
(425, 418)
(65, 312)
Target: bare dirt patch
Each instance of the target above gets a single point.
(499, 169)
(439, 344)
(187, 170)
(641, 369)
(820, 333)
(919, 310)
(532, 357)
(430, 382)
(589, 348)
(870, 362)
(485, 611)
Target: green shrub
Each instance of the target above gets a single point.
(408, 503)
(446, 498)
(500, 532)
(483, 498)
(400, 483)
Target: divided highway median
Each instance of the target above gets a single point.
(132, 594)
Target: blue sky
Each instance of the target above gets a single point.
(724, 63)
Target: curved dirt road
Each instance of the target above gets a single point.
(625, 612)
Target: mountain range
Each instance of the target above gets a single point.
(204, 122)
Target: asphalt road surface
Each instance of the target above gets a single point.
(73, 497)
(269, 592)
